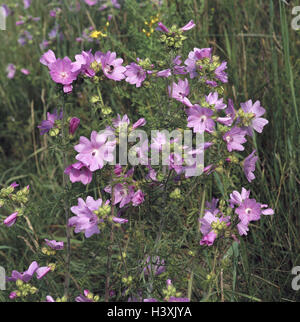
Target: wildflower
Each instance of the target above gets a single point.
(156, 266)
(26, 276)
(13, 295)
(11, 219)
(135, 74)
(86, 220)
(249, 166)
(87, 297)
(123, 194)
(54, 244)
(159, 141)
(180, 92)
(149, 29)
(230, 115)
(164, 73)
(27, 4)
(48, 58)
(91, 2)
(138, 198)
(234, 139)
(177, 68)
(61, 73)
(11, 70)
(213, 100)
(115, 4)
(200, 119)
(138, 123)
(49, 299)
(112, 66)
(49, 124)
(249, 210)
(237, 198)
(42, 271)
(194, 56)
(97, 34)
(221, 74)
(73, 125)
(188, 26)
(93, 153)
(25, 71)
(83, 64)
(78, 172)
(173, 37)
(257, 123)
(210, 224)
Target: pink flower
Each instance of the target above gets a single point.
(48, 124)
(190, 25)
(86, 220)
(25, 71)
(42, 271)
(249, 210)
(11, 219)
(135, 74)
(213, 99)
(91, 2)
(49, 299)
(13, 295)
(234, 139)
(180, 92)
(237, 198)
(48, 58)
(54, 244)
(194, 56)
(61, 73)
(249, 166)
(156, 266)
(83, 64)
(206, 227)
(112, 66)
(138, 198)
(11, 70)
(26, 276)
(258, 122)
(138, 123)
(199, 118)
(78, 172)
(84, 298)
(74, 123)
(123, 194)
(93, 153)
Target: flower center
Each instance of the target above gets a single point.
(248, 211)
(228, 138)
(63, 74)
(203, 118)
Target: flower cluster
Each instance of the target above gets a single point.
(91, 216)
(21, 279)
(222, 221)
(14, 200)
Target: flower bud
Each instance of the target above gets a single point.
(74, 123)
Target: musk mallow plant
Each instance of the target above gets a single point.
(119, 196)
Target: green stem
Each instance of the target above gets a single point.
(66, 206)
